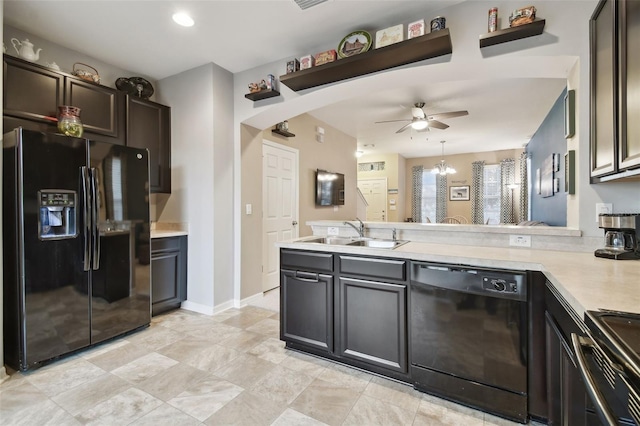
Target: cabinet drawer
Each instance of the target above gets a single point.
(387, 269)
(306, 260)
(165, 244)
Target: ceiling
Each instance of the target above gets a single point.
(239, 35)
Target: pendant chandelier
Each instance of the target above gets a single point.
(442, 168)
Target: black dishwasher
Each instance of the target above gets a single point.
(469, 336)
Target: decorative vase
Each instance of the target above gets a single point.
(69, 121)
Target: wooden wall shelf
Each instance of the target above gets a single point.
(416, 49)
(282, 133)
(511, 34)
(263, 94)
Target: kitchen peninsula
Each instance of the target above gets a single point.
(467, 321)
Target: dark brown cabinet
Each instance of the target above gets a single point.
(615, 70)
(566, 393)
(373, 323)
(149, 126)
(32, 94)
(168, 273)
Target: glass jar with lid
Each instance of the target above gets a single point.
(69, 121)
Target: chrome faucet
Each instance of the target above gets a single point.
(360, 229)
(393, 234)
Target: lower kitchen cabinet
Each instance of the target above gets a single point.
(373, 323)
(566, 393)
(168, 273)
(307, 309)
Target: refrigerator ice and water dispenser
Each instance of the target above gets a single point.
(57, 218)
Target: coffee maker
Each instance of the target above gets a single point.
(621, 236)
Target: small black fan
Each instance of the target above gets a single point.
(136, 86)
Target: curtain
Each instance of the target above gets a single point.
(416, 196)
(441, 198)
(507, 180)
(477, 192)
(523, 207)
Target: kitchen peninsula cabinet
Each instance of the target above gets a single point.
(32, 94)
(306, 297)
(168, 273)
(373, 311)
(149, 126)
(566, 393)
(615, 73)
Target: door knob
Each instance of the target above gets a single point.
(294, 223)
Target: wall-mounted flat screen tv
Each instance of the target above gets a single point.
(329, 188)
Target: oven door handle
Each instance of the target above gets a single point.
(604, 412)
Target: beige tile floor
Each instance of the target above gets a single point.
(230, 368)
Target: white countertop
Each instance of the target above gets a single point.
(585, 281)
(164, 233)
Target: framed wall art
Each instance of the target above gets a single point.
(459, 193)
(569, 114)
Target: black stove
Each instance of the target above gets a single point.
(612, 360)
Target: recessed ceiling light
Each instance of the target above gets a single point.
(183, 19)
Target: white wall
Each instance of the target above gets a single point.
(564, 43)
(201, 159)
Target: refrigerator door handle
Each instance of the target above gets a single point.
(86, 218)
(95, 215)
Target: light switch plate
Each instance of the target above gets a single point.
(333, 230)
(520, 240)
(249, 208)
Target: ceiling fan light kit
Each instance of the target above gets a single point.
(423, 122)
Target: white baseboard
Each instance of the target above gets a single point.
(244, 302)
(208, 310)
(197, 307)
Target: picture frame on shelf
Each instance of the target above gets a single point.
(569, 114)
(459, 193)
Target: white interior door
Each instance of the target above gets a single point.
(375, 192)
(279, 206)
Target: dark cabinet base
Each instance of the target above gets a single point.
(168, 273)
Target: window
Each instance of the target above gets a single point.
(429, 191)
(492, 194)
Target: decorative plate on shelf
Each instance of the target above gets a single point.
(354, 43)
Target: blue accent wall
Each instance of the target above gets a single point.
(549, 139)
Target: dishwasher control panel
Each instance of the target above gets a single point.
(499, 284)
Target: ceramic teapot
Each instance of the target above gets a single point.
(26, 49)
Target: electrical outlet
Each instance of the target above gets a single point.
(604, 208)
(333, 230)
(520, 240)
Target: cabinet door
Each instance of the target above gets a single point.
(31, 92)
(306, 309)
(373, 323)
(603, 90)
(99, 107)
(629, 152)
(168, 273)
(148, 126)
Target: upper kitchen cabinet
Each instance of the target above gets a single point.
(149, 126)
(32, 94)
(615, 93)
(101, 108)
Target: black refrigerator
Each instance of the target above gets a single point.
(76, 240)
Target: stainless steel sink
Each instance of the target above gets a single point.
(378, 243)
(355, 241)
(329, 240)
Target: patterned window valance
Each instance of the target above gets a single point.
(377, 166)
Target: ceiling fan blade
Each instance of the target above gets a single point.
(438, 124)
(389, 121)
(451, 114)
(417, 112)
(403, 128)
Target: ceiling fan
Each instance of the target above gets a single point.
(423, 122)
